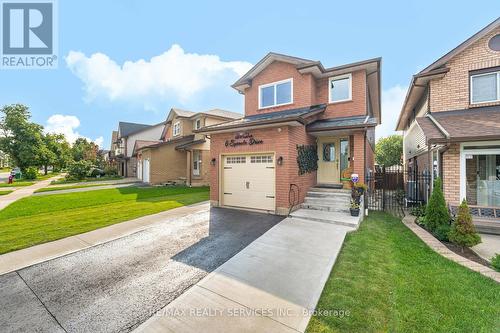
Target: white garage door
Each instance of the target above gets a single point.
(248, 181)
(145, 171)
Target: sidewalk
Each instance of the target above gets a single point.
(23, 192)
(272, 285)
(15, 260)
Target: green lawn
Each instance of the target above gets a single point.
(39, 219)
(390, 281)
(6, 192)
(69, 187)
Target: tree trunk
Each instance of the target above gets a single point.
(45, 169)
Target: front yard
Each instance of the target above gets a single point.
(39, 219)
(390, 281)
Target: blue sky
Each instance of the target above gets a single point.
(186, 53)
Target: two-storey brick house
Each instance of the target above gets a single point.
(179, 155)
(290, 104)
(451, 122)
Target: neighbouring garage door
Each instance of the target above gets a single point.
(248, 181)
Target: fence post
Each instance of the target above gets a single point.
(384, 179)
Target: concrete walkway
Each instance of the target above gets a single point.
(439, 247)
(489, 246)
(272, 285)
(16, 260)
(23, 192)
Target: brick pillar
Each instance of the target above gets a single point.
(359, 155)
(451, 174)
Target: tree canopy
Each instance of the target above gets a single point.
(389, 150)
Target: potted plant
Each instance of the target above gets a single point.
(354, 208)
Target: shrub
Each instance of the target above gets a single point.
(110, 171)
(441, 232)
(495, 262)
(462, 231)
(418, 211)
(31, 173)
(79, 170)
(436, 213)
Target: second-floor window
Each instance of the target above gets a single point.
(275, 94)
(177, 129)
(340, 88)
(197, 124)
(485, 87)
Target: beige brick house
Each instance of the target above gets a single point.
(451, 122)
(179, 156)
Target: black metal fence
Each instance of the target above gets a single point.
(396, 188)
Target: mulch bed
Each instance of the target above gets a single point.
(467, 252)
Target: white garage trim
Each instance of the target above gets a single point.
(257, 176)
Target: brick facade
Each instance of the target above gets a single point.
(451, 174)
(282, 140)
(452, 91)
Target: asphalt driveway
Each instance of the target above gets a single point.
(114, 287)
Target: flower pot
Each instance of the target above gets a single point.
(354, 211)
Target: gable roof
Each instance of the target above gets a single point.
(264, 62)
(125, 128)
(435, 70)
(220, 113)
(316, 68)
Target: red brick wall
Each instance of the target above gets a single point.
(303, 88)
(282, 143)
(359, 155)
(307, 91)
(354, 107)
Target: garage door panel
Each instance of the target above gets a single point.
(249, 181)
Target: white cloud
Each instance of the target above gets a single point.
(67, 125)
(392, 101)
(173, 73)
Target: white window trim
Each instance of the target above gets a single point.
(275, 84)
(196, 171)
(339, 77)
(178, 131)
(463, 184)
(472, 89)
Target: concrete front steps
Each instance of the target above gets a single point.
(328, 205)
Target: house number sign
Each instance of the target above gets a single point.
(243, 139)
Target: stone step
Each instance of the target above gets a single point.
(339, 218)
(327, 194)
(487, 227)
(330, 190)
(332, 201)
(336, 186)
(326, 208)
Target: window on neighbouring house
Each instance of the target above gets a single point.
(197, 124)
(485, 87)
(177, 129)
(275, 94)
(196, 162)
(340, 88)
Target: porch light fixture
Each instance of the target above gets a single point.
(212, 161)
(280, 160)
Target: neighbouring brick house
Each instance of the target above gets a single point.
(294, 104)
(451, 122)
(179, 155)
(126, 137)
